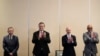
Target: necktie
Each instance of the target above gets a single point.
(10, 37)
(89, 34)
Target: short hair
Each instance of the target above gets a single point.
(10, 28)
(89, 26)
(41, 23)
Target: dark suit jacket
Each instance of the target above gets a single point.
(10, 45)
(41, 45)
(68, 47)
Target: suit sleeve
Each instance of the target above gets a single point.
(5, 45)
(17, 45)
(47, 39)
(86, 38)
(74, 43)
(96, 39)
(35, 39)
(64, 42)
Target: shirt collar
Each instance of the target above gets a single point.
(68, 35)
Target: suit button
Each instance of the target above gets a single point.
(41, 48)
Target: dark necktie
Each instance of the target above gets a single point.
(89, 34)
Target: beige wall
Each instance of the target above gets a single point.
(14, 13)
(24, 16)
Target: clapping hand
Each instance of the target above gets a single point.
(70, 40)
(11, 54)
(93, 35)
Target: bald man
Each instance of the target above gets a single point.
(10, 43)
(90, 40)
(68, 43)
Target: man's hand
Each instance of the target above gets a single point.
(70, 40)
(11, 54)
(93, 35)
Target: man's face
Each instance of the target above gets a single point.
(41, 27)
(89, 28)
(10, 31)
(68, 31)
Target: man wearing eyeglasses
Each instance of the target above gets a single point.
(41, 39)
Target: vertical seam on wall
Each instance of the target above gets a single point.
(28, 20)
(89, 11)
(59, 21)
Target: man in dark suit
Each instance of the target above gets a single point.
(68, 42)
(41, 39)
(90, 40)
(10, 43)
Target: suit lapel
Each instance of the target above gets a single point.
(37, 34)
(88, 35)
(66, 37)
(72, 36)
(8, 37)
(13, 37)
